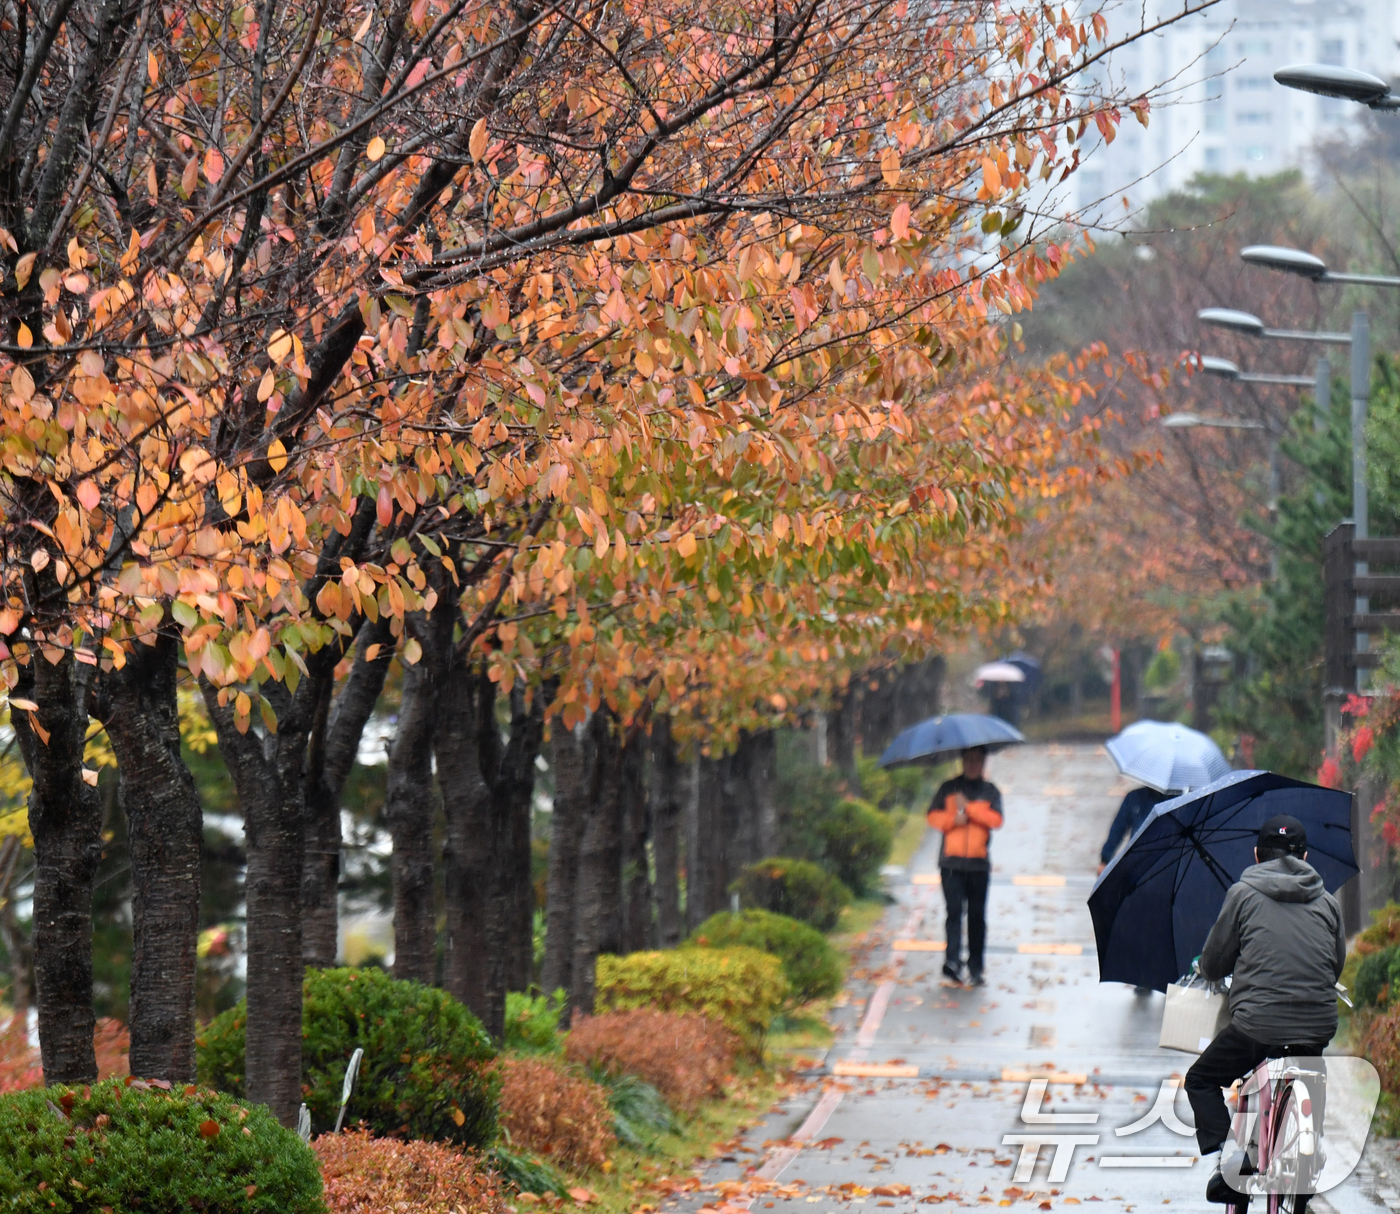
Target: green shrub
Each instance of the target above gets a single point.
(742, 988)
(424, 1071)
(1377, 978)
(812, 967)
(856, 839)
(796, 888)
(532, 1022)
(640, 1113)
(144, 1148)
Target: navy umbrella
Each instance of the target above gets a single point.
(941, 738)
(1155, 904)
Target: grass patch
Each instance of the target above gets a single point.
(861, 916)
(908, 839)
(804, 1034)
(710, 1133)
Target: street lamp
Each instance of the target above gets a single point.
(1295, 261)
(1226, 369)
(1250, 325)
(1345, 83)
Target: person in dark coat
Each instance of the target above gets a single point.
(1132, 813)
(1280, 934)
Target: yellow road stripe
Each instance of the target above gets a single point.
(1008, 1075)
(1037, 879)
(1051, 950)
(875, 1070)
(920, 946)
(927, 879)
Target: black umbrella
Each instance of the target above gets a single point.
(1155, 904)
(943, 737)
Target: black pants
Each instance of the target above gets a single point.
(1233, 1056)
(963, 888)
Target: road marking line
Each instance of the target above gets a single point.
(920, 946)
(1146, 1161)
(776, 1163)
(927, 879)
(1038, 879)
(1010, 1075)
(875, 1070)
(1051, 950)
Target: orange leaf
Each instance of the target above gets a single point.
(213, 165)
(208, 1129)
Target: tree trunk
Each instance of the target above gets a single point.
(468, 747)
(635, 903)
(763, 775)
(841, 728)
(696, 846)
(665, 799)
(517, 785)
(409, 799)
(335, 741)
(486, 789)
(599, 864)
(166, 833)
(269, 771)
(570, 755)
(65, 818)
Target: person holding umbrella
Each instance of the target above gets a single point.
(966, 809)
(1280, 934)
(1135, 809)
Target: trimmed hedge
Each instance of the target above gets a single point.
(812, 967)
(425, 1072)
(796, 888)
(742, 988)
(141, 1147)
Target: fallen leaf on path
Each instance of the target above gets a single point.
(892, 1190)
(583, 1196)
(827, 1143)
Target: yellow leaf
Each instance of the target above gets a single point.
(991, 176)
(280, 346)
(27, 705)
(373, 652)
(89, 777)
(476, 145)
(267, 385)
(375, 151)
(889, 166)
(24, 267)
(412, 651)
(458, 1116)
(24, 337)
(686, 545)
(277, 455)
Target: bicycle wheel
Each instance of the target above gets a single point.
(1289, 1168)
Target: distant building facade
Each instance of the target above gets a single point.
(1225, 113)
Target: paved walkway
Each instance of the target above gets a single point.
(925, 1084)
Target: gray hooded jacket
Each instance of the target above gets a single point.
(1280, 933)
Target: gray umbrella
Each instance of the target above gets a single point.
(943, 737)
(1167, 756)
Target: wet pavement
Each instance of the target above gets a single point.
(929, 1094)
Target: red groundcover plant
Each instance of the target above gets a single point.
(365, 1175)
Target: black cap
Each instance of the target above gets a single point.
(1283, 833)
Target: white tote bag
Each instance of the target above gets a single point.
(1193, 1016)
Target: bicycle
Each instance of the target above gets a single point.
(1278, 1121)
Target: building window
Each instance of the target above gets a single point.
(1252, 82)
(1215, 158)
(1253, 118)
(1215, 115)
(1334, 51)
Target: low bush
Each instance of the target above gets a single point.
(532, 1022)
(1377, 979)
(425, 1071)
(526, 1173)
(742, 988)
(856, 839)
(640, 1112)
(684, 1055)
(563, 1117)
(796, 888)
(140, 1147)
(812, 967)
(365, 1175)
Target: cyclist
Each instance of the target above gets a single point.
(1280, 933)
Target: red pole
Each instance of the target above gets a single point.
(1115, 700)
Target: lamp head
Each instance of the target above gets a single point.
(1220, 366)
(1328, 81)
(1229, 318)
(1181, 421)
(1290, 261)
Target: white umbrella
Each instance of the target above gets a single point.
(1167, 756)
(997, 672)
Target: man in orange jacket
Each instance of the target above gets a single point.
(966, 809)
